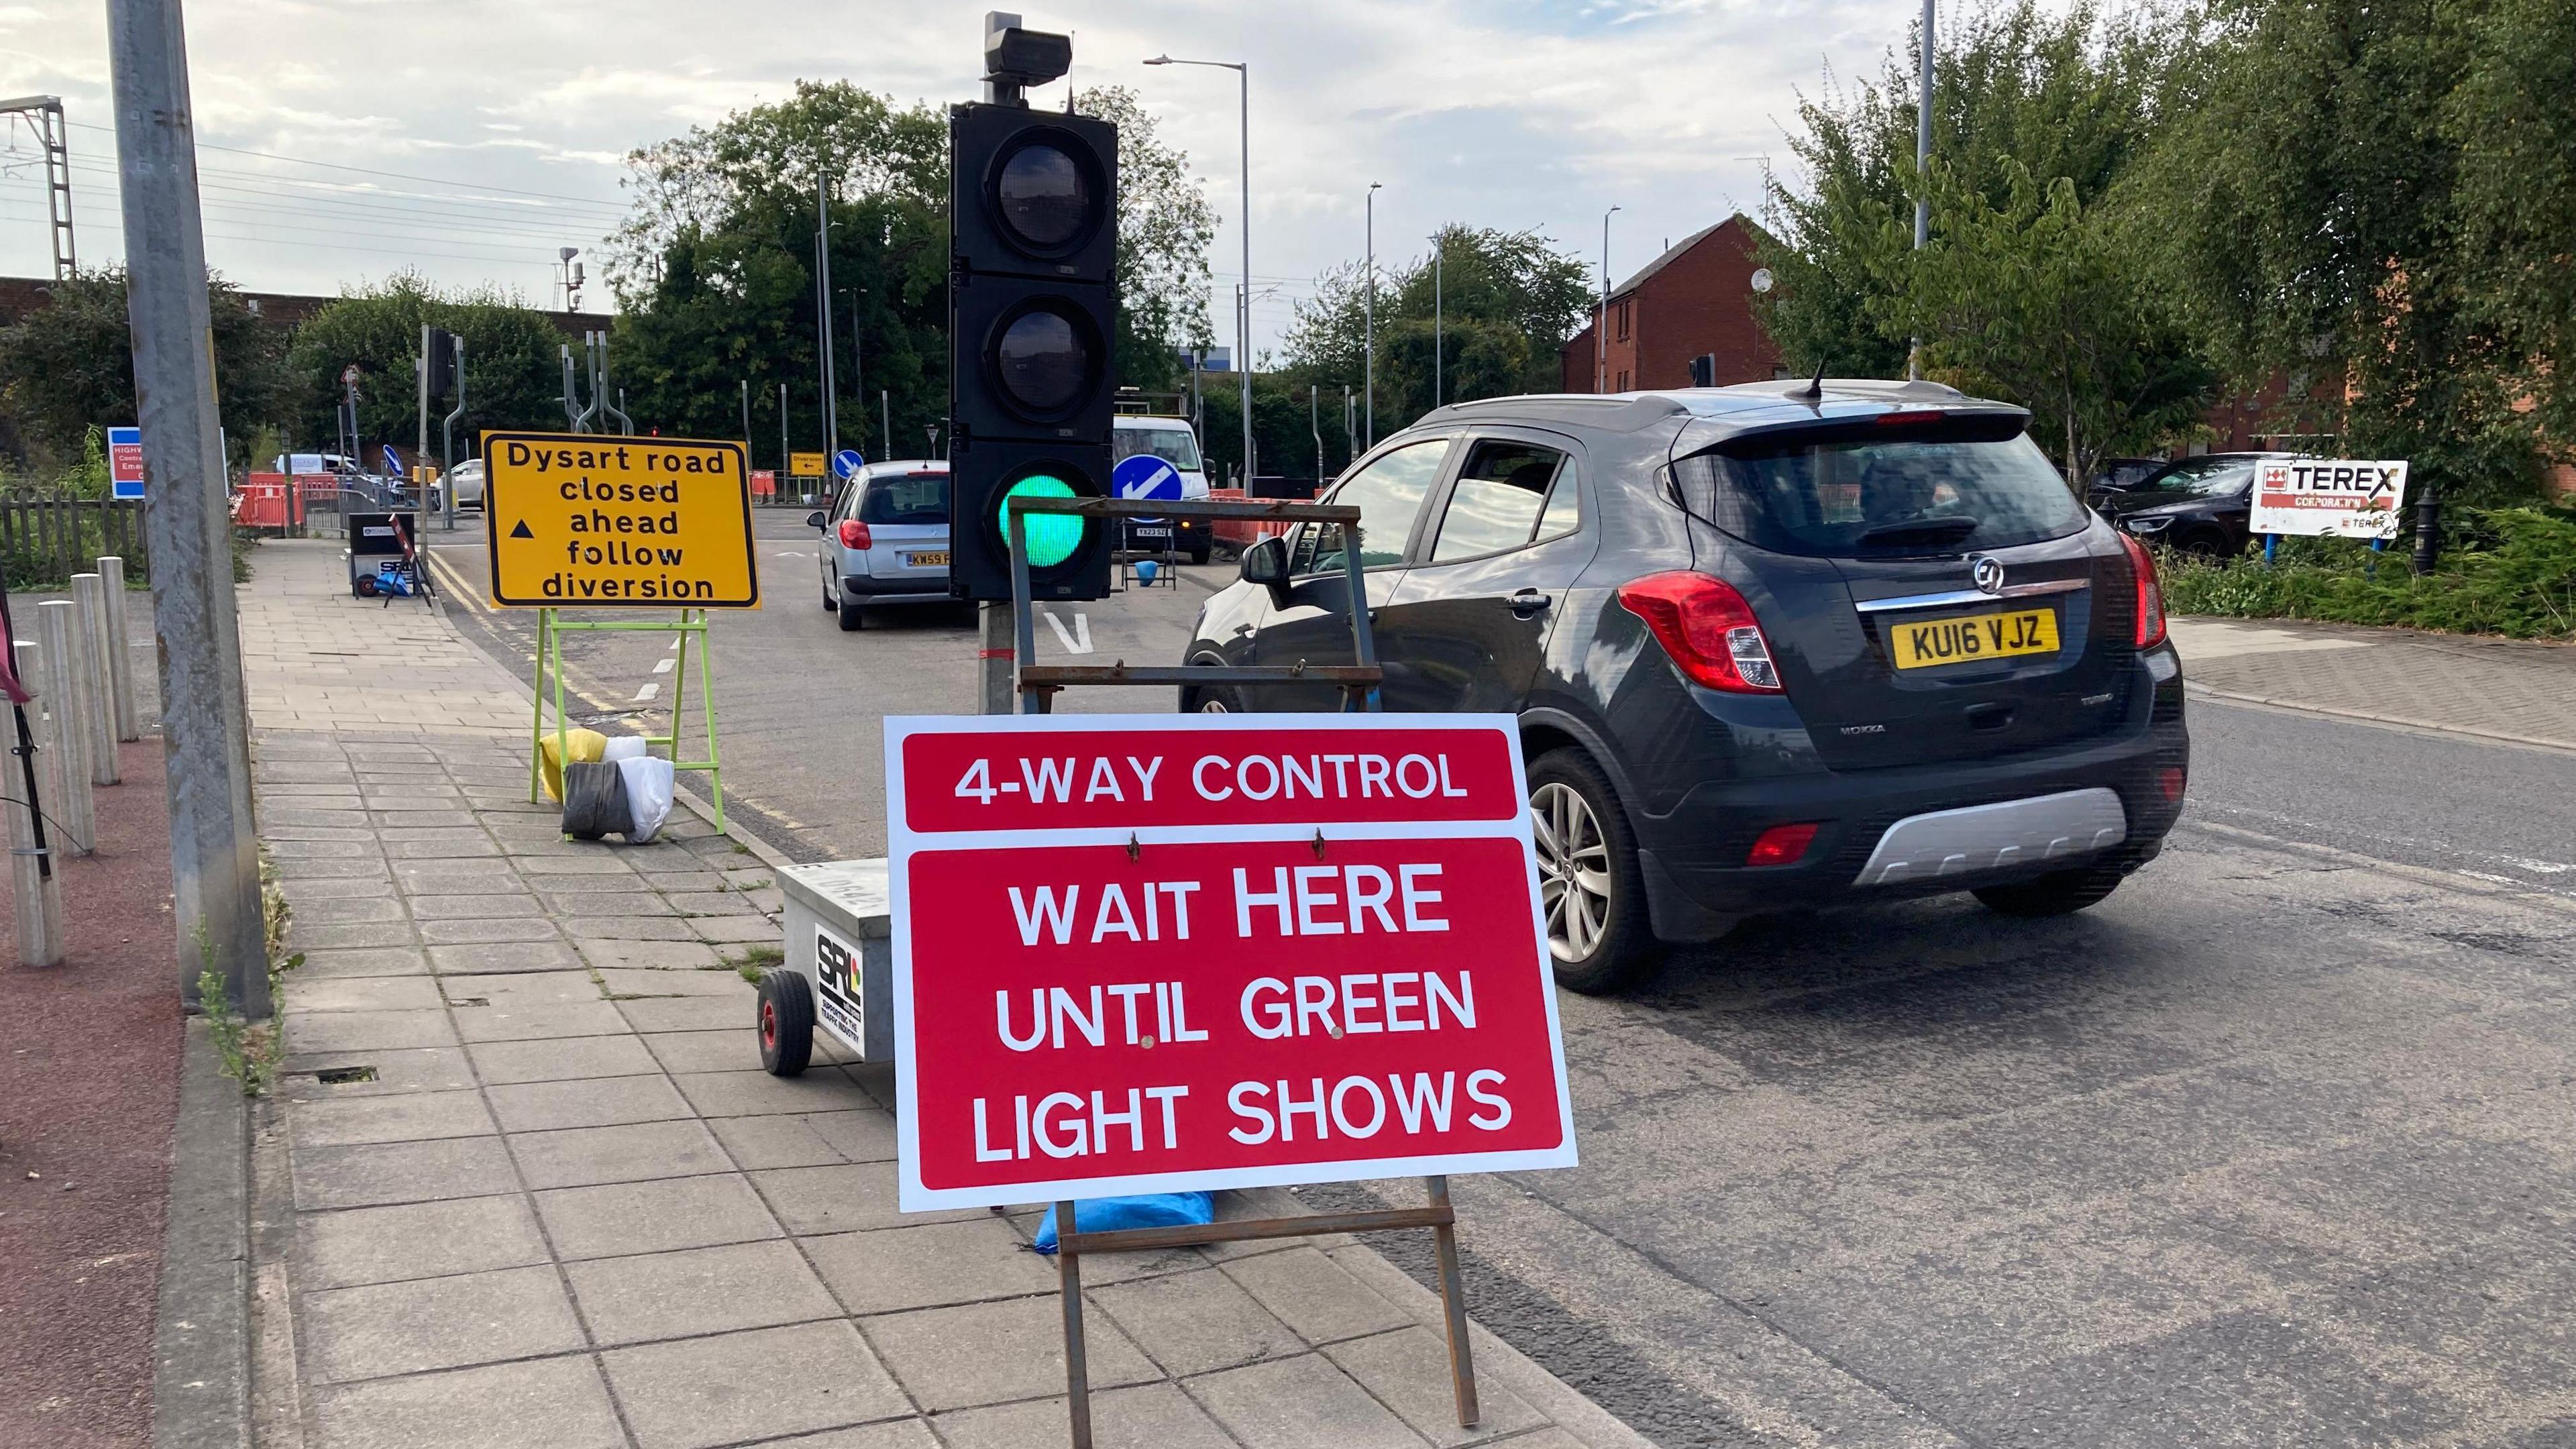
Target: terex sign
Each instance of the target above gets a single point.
(2329, 497)
(1147, 953)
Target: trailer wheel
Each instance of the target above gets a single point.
(786, 1022)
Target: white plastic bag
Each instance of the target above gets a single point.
(623, 747)
(648, 795)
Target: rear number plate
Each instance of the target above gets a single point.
(927, 560)
(1975, 636)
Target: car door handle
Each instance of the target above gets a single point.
(1528, 602)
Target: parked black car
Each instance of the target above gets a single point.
(1769, 649)
(2198, 505)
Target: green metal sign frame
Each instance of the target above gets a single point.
(551, 627)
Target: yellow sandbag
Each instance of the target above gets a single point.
(581, 745)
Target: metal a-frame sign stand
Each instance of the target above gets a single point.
(1035, 685)
(551, 627)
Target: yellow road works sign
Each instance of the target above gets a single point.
(580, 521)
(804, 465)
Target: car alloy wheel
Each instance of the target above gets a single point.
(1574, 871)
(1211, 704)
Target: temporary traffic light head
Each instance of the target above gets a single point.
(1017, 58)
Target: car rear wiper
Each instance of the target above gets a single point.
(1920, 531)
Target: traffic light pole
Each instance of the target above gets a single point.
(214, 850)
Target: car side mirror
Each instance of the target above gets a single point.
(814, 519)
(1266, 563)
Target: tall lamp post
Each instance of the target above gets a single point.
(1243, 318)
(1601, 324)
(1436, 357)
(1922, 164)
(1368, 319)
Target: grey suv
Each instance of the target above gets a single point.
(1771, 646)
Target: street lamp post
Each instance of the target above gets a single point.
(1436, 351)
(1368, 319)
(1601, 324)
(1922, 165)
(1243, 319)
(858, 365)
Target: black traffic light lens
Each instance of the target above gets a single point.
(1047, 360)
(1046, 200)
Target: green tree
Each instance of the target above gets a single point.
(68, 367)
(2020, 94)
(2364, 188)
(2515, 129)
(2038, 300)
(716, 266)
(513, 362)
(1507, 302)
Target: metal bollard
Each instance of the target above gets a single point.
(69, 733)
(120, 650)
(89, 593)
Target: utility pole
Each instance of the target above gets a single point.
(1601, 324)
(885, 419)
(214, 847)
(1922, 178)
(1436, 357)
(420, 452)
(858, 368)
(746, 422)
(823, 312)
(1368, 317)
(786, 460)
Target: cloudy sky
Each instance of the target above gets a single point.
(471, 139)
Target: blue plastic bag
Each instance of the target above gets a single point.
(1107, 1214)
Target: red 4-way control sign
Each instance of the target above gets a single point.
(1151, 953)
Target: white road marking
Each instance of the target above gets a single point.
(1077, 640)
(675, 642)
(663, 666)
(647, 692)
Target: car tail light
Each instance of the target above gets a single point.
(1781, 845)
(2151, 595)
(854, 534)
(1707, 628)
(2169, 783)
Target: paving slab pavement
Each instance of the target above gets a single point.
(526, 1183)
(2501, 689)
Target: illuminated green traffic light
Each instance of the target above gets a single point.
(1053, 537)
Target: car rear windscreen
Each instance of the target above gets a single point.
(911, 498)
(1848, 493)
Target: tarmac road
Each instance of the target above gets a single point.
(2273, 1147)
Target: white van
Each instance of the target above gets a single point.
(1171, 440)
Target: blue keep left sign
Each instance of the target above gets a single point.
(847, 463)
(1145, 476)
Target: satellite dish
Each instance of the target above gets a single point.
(1762, 279)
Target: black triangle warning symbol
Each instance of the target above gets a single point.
(522, 530)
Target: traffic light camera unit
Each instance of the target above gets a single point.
(1033, 238)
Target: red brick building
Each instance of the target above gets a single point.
(1694, 300)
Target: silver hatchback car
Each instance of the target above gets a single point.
(886, 540)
